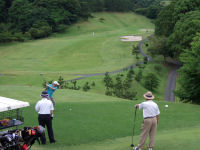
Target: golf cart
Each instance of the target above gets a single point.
(11, 117)
(11, 112)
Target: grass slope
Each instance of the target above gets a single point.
(93, 121)
(74, 52)
(174, 140)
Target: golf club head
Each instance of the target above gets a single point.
(132, 145)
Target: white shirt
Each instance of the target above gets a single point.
(150, 109)
(44, 106)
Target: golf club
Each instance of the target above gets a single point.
(132, 145)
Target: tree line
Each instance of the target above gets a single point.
(177, 31)
(33, 19)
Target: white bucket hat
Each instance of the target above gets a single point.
(56, 83)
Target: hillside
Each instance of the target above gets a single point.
(76, 52)
(92, 120)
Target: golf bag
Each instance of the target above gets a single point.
(20, 139)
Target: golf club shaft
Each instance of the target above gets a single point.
(134, 123)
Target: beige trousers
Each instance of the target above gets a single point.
(149, 127)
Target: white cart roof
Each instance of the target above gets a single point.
(10, 104)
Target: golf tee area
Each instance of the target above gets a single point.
(91, 120)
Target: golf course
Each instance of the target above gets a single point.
(92, 120)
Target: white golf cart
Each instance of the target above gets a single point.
(11, 112)
(11, 117)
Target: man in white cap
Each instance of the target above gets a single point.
(45, 109)
(51, 88)
(150, 114)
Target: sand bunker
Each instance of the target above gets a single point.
(130, 38)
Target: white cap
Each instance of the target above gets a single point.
(56, 83)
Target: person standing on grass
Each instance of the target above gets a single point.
(149, 126)
(45, 110)
(51, 88)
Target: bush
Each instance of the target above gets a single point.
(145, 60)
(61, 28)
(61, 82)
(18, 37)
(41, 32)
(151, 82)
(6, 37)
(93, 83)
(158, 68)
(86, 87)
(139, 76)
(142, 11)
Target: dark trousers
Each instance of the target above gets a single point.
(46, 120)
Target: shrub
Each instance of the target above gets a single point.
(139, 76)
(158, 68)
(86, 87)
(151, 82)
(41, 32)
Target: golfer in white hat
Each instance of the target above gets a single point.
(149, 125)
(51, 88)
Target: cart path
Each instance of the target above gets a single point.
(83, 76)
(171, 81)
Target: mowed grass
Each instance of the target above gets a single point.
(94, 121)
(181, 139)
(91, 120)
(75, 52)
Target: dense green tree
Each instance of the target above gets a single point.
(153, 11)
(2, 11)
(61, 82)
(118, 86)
(118, 5)
(95, 5)
(164, 23)
(169, 16)
(183, 6)
(189, 74)
(128, 92)
(20, 14)
(139, 76)
(158, 47)
(85, 10)
(108, 84)
(86, 87)
(184, 31)
(151, 82)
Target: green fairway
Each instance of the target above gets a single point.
(174, 140)
(86, 120)
(75, 52)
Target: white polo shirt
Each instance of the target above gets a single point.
(150, 109)
(44, 106)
